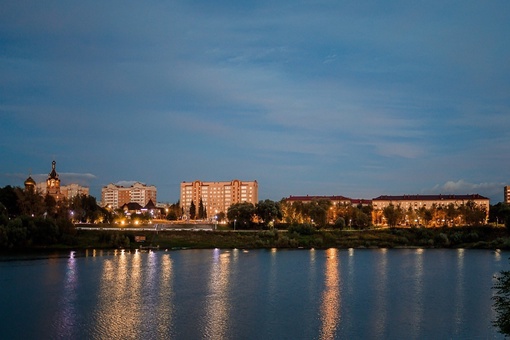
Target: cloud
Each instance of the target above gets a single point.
(84, 179)
(489, 189)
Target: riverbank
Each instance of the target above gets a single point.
(460, 237)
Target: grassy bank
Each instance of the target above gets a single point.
(462, 237)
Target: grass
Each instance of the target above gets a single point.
(459, 237)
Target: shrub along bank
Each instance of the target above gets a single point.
(25, 233)
(460, 237)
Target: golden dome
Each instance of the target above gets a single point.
(30, 181)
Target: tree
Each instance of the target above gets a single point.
(268, 210)
(30, 203)
(392, 214)
(502, 302)
(192, 211)
(360, 220)
(473, 214)
(242, 214)
(499, 213)
(9, 199)
(50, 204)
(201, 210)
(318, 211)
(173, 212)
(220, 216)
(340, 223)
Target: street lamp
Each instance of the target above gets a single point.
(235, 224)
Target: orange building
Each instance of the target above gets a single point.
(217, 196)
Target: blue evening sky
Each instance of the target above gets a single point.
(353, 98)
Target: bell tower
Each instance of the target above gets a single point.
(53, 182)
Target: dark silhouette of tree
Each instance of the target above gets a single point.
(192, 210)
(201, 210)
(242, 214)
(392, 214)
(30, 203)
(502, 302)
(9, 199)
(174, 211)
(268, 210)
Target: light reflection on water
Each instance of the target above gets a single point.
(330, 307)
(232, 294)
(416, 310)
(66, 321)
(217, 303)
(119, 307)
(458, 299)
(381, 297)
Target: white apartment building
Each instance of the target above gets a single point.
(115, 196)
(217, 196)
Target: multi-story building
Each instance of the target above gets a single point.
(507, 194)
(71, 190)
(115, 196)
(415, 202)
(217, 196)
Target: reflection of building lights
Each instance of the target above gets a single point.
(330, 308)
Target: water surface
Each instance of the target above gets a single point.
(256, 294)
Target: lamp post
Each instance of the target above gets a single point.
(235, 224)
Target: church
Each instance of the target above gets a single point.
(53, 188)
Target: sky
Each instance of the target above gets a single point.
(352, 98)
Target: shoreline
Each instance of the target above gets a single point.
(391, 238)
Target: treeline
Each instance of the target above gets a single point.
(323, 213)
(15, 202)
(468, 214)
(29, 219)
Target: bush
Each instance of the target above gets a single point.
(340, 223)
(302, 229)
(442, 240)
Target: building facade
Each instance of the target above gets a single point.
(335, 200)
(71, 190)
(217, 196)
(115, 196)
(416, 202)
(507, 194)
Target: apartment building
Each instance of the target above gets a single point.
(427, 201)
(217, 196)
(415, 202)
(71, 190)
(507, 194)
(115, 196)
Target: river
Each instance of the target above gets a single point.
(255, 294)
